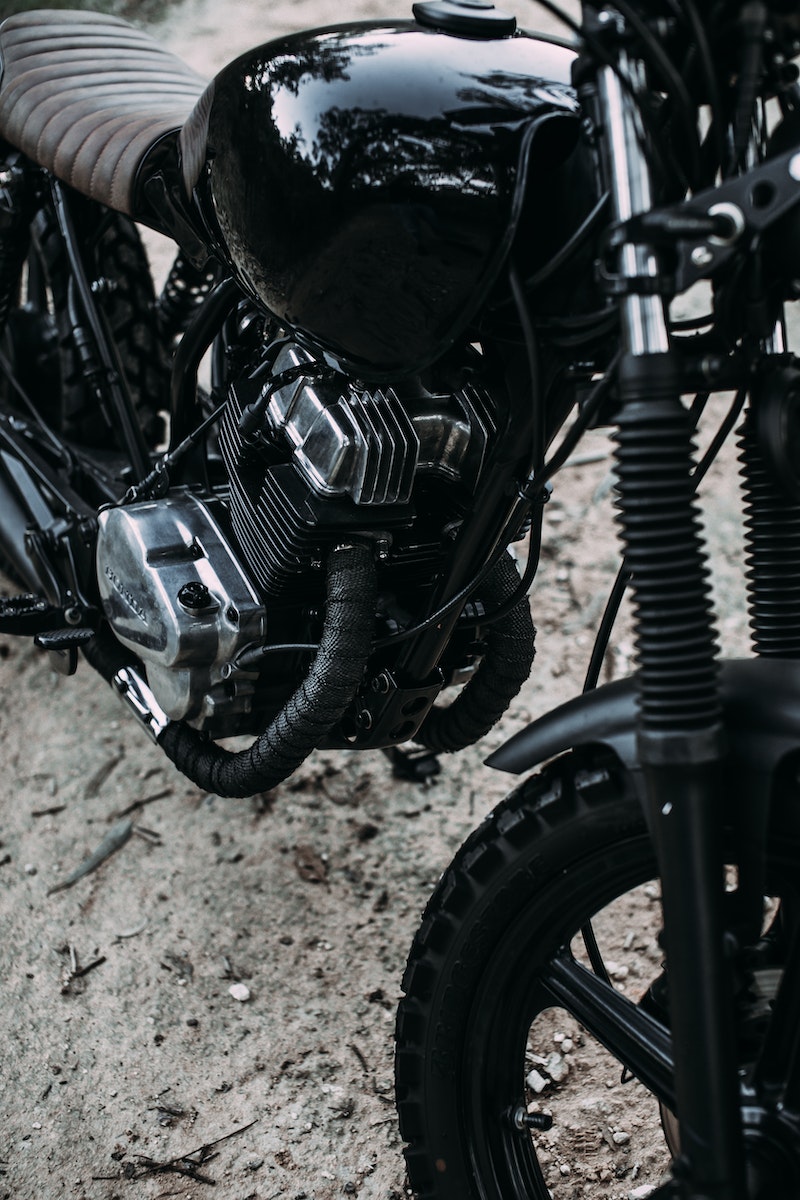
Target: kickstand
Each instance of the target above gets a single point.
(417, 766)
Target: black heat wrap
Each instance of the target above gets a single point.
(503, 670)
(314, 708)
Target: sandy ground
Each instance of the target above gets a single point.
(127, 1042)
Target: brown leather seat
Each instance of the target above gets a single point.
(86, 95)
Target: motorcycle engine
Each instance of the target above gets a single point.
(332, 457)
(187, 581)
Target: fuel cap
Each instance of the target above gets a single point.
(472, 18)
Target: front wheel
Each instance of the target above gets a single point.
(504, 1015)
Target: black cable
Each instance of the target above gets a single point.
(588, 411)
(608, 620)
(687, 324)
(572, 244)
(719, 438)
(532, 352)
(563, 255)
(676, 90)
(697, 407)
(650, 140)
(701, 44)
(394, 638)
(526, 579)
(158, 479)
(537, 456)
(574, 341)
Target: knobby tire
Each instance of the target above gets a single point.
(116, 261)
(501, 929)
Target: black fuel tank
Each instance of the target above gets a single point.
(364, 182)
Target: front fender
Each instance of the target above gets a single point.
(761, 711)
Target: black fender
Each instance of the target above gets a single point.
(761, 711)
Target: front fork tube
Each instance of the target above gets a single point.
(684, 810)
(680, 735)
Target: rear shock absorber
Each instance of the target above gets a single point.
(772, 517)
(185, 289)
(15, 216)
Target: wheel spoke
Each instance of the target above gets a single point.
(634, 1037)
(593, 950)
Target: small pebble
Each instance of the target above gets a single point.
(621, 1138)
(556, 1067)
(567, 1045)
(616, 970)
(641, 1193)
(30, 869)
(239, 992)
(536, 1082)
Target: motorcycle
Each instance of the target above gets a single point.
(423, 258)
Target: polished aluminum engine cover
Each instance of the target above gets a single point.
(174, 593)
(365, 447)
(366, 444)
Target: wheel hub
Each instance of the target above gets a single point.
(771, 1135)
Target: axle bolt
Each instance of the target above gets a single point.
(522, 1119)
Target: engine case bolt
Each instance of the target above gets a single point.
(195, 596)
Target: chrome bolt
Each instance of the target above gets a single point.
(195, 596)
(522, 1119)
(380, 684)
(702, 256)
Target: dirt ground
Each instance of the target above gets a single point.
(227, 981)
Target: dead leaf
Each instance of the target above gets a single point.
(310, 866)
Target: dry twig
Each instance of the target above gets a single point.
(114, 840)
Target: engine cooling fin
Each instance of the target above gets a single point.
(283, 523)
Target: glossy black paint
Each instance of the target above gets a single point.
(365, 182)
